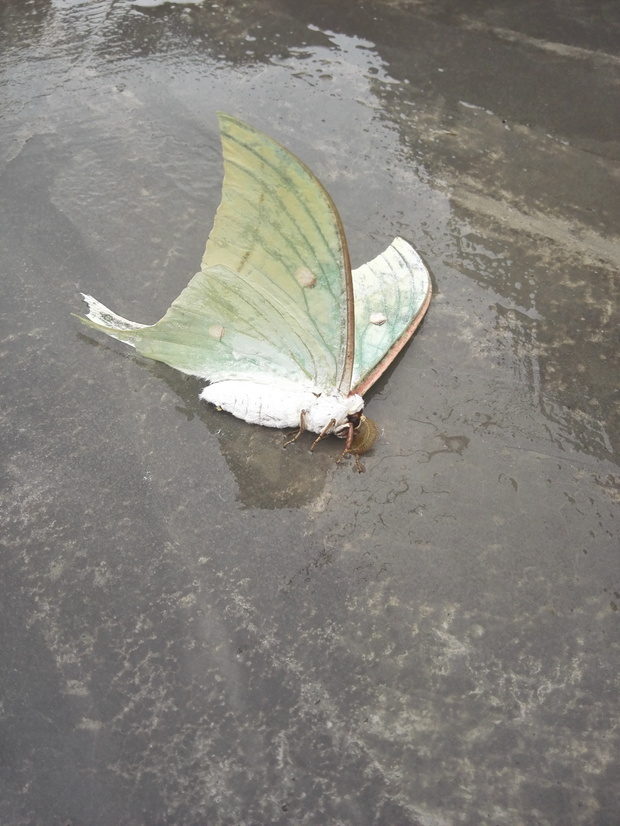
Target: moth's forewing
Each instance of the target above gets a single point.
(392, 294)
(273, 276)
(274, 293)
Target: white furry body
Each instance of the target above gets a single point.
(279, 403)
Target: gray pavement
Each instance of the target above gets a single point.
(198, 628)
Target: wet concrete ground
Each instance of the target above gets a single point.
(201, 628)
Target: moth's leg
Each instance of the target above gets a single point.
(302, 427)
(347, 449)
(350, 435)
(323, 434)
(360, 466)
(349, 442)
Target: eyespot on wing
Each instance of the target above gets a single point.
(305, 278)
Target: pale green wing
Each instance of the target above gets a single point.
(392, 294)
(273, 296)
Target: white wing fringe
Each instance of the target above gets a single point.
(113, 324)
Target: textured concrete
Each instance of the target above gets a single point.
(200, 629)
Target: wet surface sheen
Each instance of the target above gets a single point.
(201, 628)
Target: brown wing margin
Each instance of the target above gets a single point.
(347, 368)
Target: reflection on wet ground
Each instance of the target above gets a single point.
(201, 627)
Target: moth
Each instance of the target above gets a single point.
(275, 321)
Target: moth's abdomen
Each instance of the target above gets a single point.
(271, 405)
(279, 403)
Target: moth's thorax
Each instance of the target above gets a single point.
(279, 403)
(332, 406)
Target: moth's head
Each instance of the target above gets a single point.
(354, 415)
(355, 419)
(355, 408)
